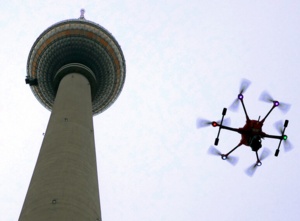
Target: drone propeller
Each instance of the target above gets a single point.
(266, 97)
(280, 128)
(204, 122)
(243, 87)
(251, 170)
(231, 159)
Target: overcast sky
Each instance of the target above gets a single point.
(185, 59)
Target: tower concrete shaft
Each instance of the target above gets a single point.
(64, 185)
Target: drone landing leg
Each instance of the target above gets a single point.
(283, 137)
(220, 126)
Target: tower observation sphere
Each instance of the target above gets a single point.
(76, 69)
(72, 45)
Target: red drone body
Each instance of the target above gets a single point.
(251, 128)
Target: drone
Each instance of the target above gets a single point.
(251, 133)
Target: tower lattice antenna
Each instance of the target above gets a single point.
(82, 11)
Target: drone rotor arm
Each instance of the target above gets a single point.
(244, 108)
(263, 120)
(231, 129)
(233, 149)
(264, 135)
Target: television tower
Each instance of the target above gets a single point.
(76, 69)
